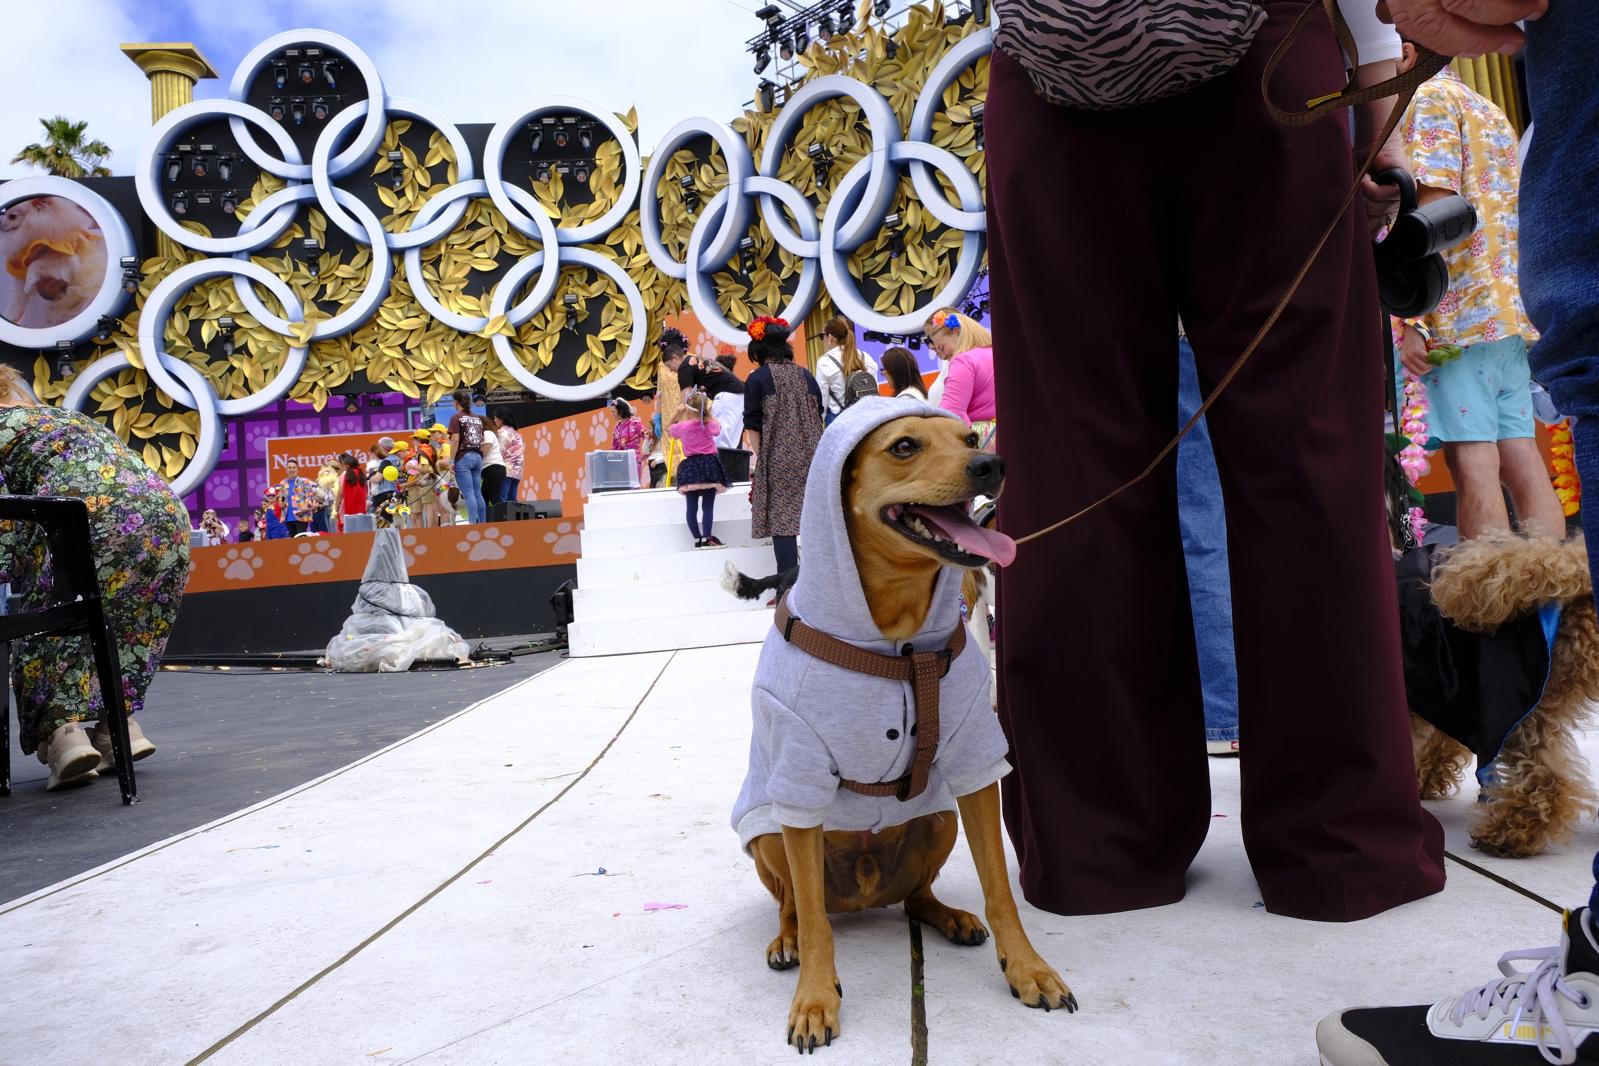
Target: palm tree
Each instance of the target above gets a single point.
(65, 153)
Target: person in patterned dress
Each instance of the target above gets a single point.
(782, 423)
(141, 550)
(1481, 398)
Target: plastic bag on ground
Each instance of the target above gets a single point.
(391, 624)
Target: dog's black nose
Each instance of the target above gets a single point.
(988, 471)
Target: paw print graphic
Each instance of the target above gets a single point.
(564, 540)
(541, 441)
(557, 488)
(413, 550)
(314, 557)
(569, 434)
(256, 436)
(600, 428)
(489, 544)
(583, 482)
(239, 564)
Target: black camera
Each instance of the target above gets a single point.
(1411, 274)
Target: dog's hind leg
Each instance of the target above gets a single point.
(959, 927)
(1440, 759)
(771, 864)
(1540, 788)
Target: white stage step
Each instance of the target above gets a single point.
(643, 586)
(653, 507)
(657, 634)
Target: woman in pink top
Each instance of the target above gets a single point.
(628, 436)
(700, 475)
(969, 387)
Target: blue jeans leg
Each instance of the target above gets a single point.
(508, 489)
(469, 476)
(1204, 529)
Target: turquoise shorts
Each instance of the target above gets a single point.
(1485, 395)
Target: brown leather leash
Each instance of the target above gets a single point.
(1404, 86)
(923, 669)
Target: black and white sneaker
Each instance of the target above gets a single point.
(1549, 1013)
(699, 542)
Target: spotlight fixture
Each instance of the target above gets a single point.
(224, 168)
(351, 405)
(311, 250)
(174, 168)
(297, 112)
(199, 166)
(980, 12)
(896, 236)
(765, 95)
(802, 40)
(880, 7)
(230, 202)
(824, 29)
(535, 139)
(746, 255)
(280, 75)
(890, 47)
(307, 74)
(821, 162)
(977, 122)
(569, 302)
(203, 198)
(225, 331)
(130, 274)
(275, 109)
(319, 109)
(64, 367)
(102, 329)
(541, 171)
(585, 136)
(580, 171)
(396, 170)
(846, 16)
(771, 15)
(914, 342)
(785, 50)
(180, 204)
(563, 136)
(763, 58)
(330, 73)
(691, 195)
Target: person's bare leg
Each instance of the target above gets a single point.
(1522, 469)
(1479, 501)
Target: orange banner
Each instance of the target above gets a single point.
(311, 452)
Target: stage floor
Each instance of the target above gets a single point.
(439, 901)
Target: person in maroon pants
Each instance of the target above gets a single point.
(1104, 227)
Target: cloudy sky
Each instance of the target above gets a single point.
(473, 59)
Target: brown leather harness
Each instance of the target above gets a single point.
(923, 669)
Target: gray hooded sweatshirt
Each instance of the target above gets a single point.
(815, 722)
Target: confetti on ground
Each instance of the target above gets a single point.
(259, 847)
(379, 1051)
(490, 881)
(666, 906)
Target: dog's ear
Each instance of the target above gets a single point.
(1485, 582)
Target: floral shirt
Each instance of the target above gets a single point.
(301, 498)
(511, 448)
(1462, 142)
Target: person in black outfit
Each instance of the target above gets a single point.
(726, 393)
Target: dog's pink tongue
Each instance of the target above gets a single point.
(958, 527)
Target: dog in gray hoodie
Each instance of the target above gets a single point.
(836, 732)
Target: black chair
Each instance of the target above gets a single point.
(76, 611)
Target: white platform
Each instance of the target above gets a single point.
(643, 586)
(433, 904)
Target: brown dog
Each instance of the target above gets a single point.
(906, 491)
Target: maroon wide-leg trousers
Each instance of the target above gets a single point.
(1103, 228)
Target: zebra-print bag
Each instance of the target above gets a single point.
(1100, 55)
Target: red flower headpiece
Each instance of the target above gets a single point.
(757, 329)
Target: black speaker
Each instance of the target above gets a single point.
(516, 511)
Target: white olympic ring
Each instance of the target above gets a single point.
(740, 165)
(158, 308)
(208, 448)
(806, 245)
(574, 257)
(522, 220)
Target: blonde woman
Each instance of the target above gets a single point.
(969, 384)
(839, 364)
(140, 533)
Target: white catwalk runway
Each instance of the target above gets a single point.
(440, 902)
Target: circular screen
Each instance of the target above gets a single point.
(55, 261)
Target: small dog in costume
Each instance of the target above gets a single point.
(872, 721)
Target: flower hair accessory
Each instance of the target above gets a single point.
(952, 321)
(757, 329)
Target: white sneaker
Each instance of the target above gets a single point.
(1549, 1013)
(70, 756)
(101, 739)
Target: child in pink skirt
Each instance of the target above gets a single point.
(700, 475)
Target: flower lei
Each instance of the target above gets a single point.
(1563, 463)
(757, 329)
(1413, 456)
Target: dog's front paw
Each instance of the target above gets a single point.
(783, 952)
(813, 1017)
(1036, 984)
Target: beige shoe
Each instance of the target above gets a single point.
(70, 756)
(101, 739)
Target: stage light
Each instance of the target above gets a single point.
(691, 195)
(580, 171)
(541, 172)
(297, 112)
(802, 40)
(200, 166)
(174, 168)
(980, 12)
(569, 303)
(563, 135)
(880, 7)
(130, 274)
(846, 17)
(585, 136)
(307, 74)
(351, 405)
(64, 367)
(785, 50)
(311, 250)
(280, 75)
(890, 47)
(230, 202)
(821, 162)
(224, 168)
(225, 331)
(765, 95)
(319, 109)
(203, 198)
(275, 109)
(763, 59)
(977, 121)
(535, 139)
(746, 255)
(330, 73)
(396, 170)
(896, 236)
(824, 29)
(770, 15)
(914, 342)
(180, 204)
(102, 329)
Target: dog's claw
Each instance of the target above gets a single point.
(1003, 962)
(840, 990)
(829, 1037)
(1071, 1003)
(1015, 994)
(812, 1047)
